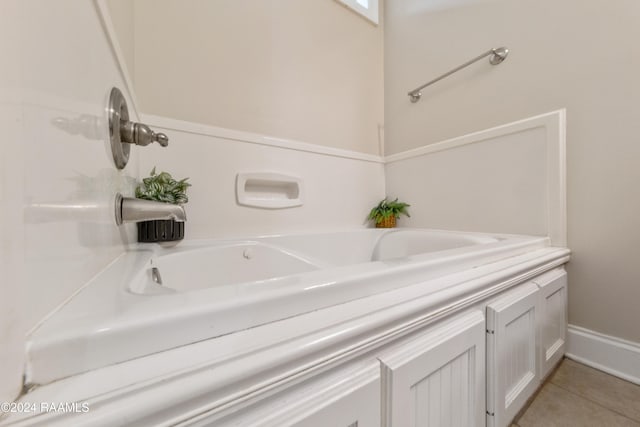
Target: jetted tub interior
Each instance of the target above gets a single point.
(268, 258)
(153, 299)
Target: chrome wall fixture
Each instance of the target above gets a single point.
(131, 209)
(497, 55)
(123, 132)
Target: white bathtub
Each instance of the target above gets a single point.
(217, 287)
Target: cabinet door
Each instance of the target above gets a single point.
(511, 353)
(357, 406)
(552, 322)
(436, 378)
(346, 397)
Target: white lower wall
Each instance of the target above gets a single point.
(57, 177)
(507, 179)
(340, 186)
(11, 246)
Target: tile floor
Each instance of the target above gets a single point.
(577, 395)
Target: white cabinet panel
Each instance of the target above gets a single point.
(511, 353)
(437, 378)
(357, 406)
(347, 397)
(552, 322)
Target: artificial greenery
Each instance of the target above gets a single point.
(163, 188)
(386, 209)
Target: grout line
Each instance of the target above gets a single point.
(549, 380)
(596, 403)
(603, 369)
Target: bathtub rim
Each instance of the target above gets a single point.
(88, 330)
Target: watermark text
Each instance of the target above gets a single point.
(44, 407)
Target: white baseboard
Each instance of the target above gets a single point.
(609, 354)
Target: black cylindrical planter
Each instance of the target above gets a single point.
(160, 230)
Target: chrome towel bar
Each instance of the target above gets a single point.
(497, 56)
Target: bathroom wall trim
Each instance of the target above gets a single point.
(554, 120)
(615, 356)
(254, 138)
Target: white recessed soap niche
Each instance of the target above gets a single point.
(269, 190)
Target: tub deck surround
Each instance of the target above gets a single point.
(214, 288)
(219, 374)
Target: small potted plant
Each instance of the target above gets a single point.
(162, 187)
(386, 213)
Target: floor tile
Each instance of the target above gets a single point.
(556, 407)
(606, 390)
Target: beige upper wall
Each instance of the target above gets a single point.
(308, 70)
(579, 54)
(122, 17)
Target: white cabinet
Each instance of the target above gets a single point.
(552, 322)
(511, 353)
(436, 378)
(346, 397)
(468, 370)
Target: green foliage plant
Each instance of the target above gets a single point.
(386, 209)
(162, 187)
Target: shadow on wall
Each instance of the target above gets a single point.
(90, 206)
